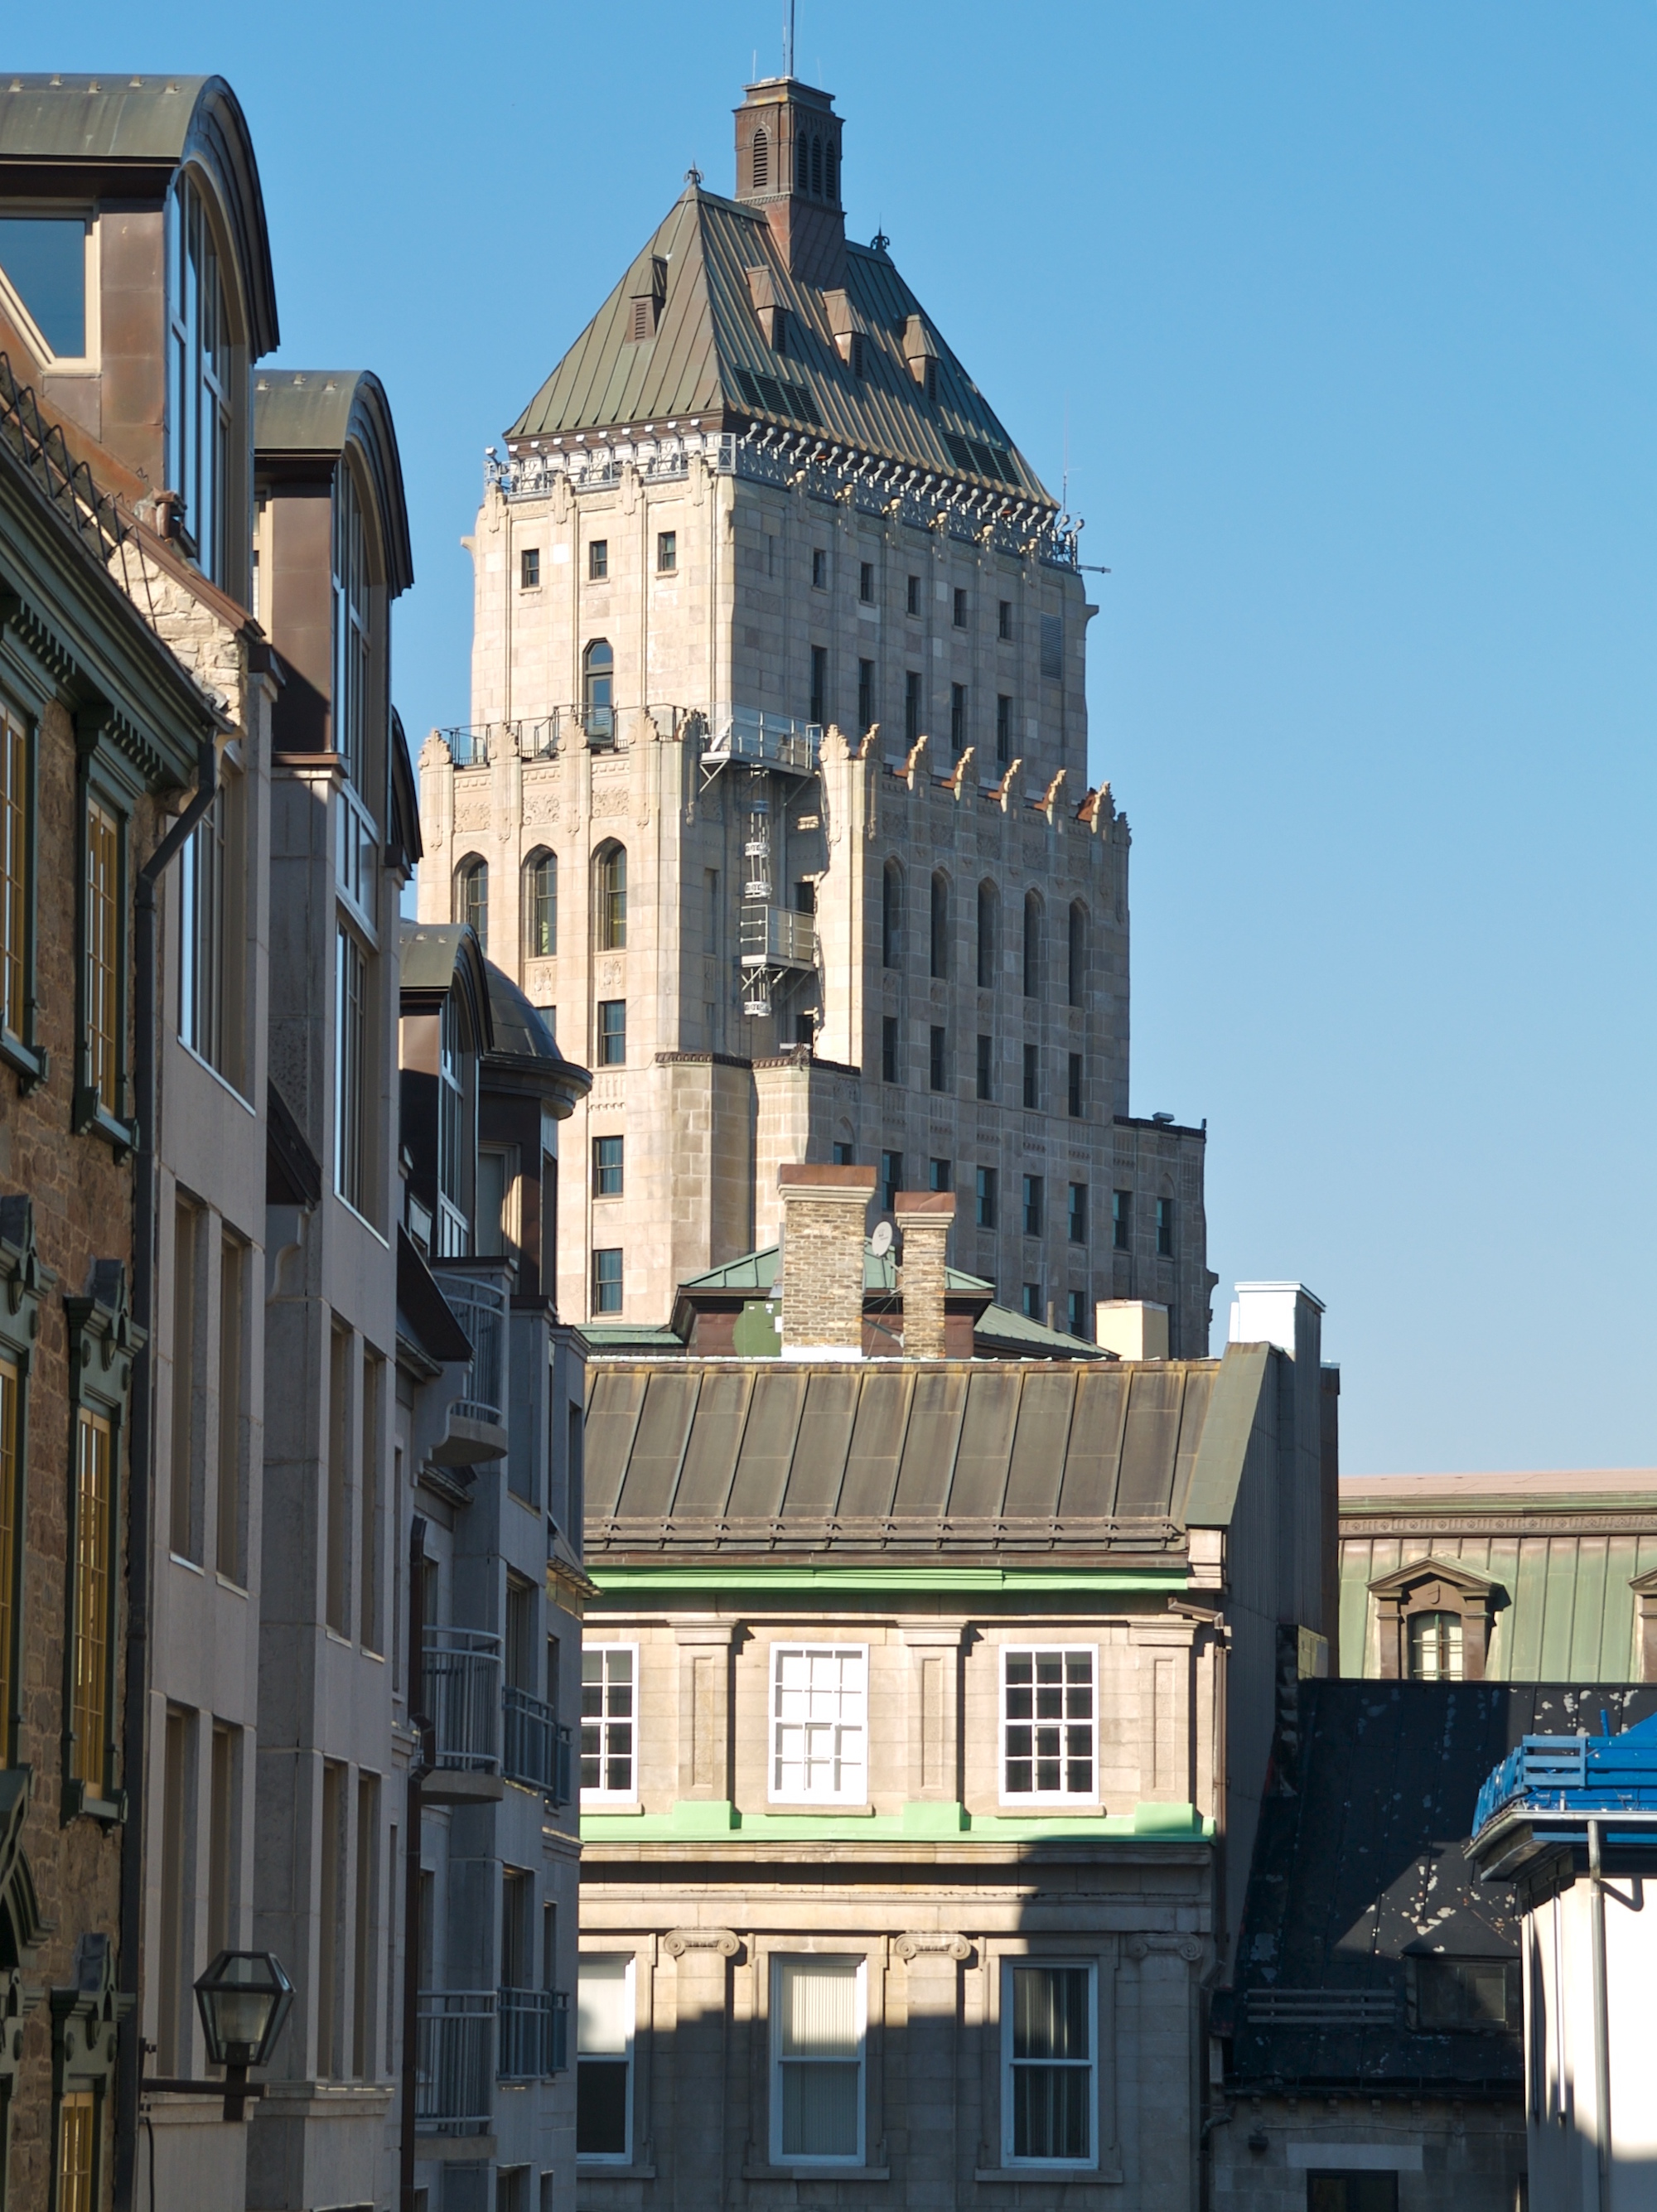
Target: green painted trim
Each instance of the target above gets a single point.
(701, 1820)
(619, 1582)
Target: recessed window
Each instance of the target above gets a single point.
(817, 2027)
(987, 906)
(986, 1067)
(608, 1713)
(939, 949)
(1003, 731)
(1032, 1076)
(819, 1723)
(607, 1280)
(958, 717)
(1165, 1228)
(759, 171)
(844, 1154)
(1032, 945)
(16, 875)
(1003, 619)
(603, 2058)
(541, 906)
(1078, 1216)
(891, 916)
(912, 706)
(891, 1179)
(471, 898)
(93, 1555)
(1035, 1194)
(1030, 1304)
(44, 257)
(819, 683)
(597, 560)
(1466, 1995)
(866, 583)
(612, 1033)
(610, 895)
(1349, 2188)
(912, 601)
(940, 1175)
(937, 1058)
(1075, 1086)
(959, 608)
(607, 1166)
(1121, 1202)
(865, 696)
(529, 568)
(987, 1180)
(1052, 648)
(351, 1071)
(1078, 965)
(599, 694)
(1049, 2092)
(1048, 1747)
(888, 1049)
(103, 967)
(1436, 1652)
(667, 552)
(200, 413)
(819, 569)
(1076, 1315)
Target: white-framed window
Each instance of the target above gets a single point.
(819, 2030)
(820, 1723)
(609, 1744)
(1049, 2062)
(1049, 1724)
(604, 2057)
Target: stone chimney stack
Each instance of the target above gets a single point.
(924, 1216)
(825, 1212)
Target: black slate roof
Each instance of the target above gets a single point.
(1360, 1870)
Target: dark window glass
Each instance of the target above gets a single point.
(1033, 1186)
(940, 925)
(1079, 954)
(1003, 730)
(667, 552)
(1076, 1087)
(940, 1175)
(1076, 1316)
(806, 897)
(471, 898)
(819, 682)
(845, 1156)
(892, 1178)
(607, 1167)
(985, 1068)
(599, 693)
(1165, 1228)
(1078, 1213)
(1120, 1201)
(607, 1281)
(986, 936)
(911, 705)
(1003, 619)
(1032, 945)
(45, 258)
(601, 2107)
(891, 916)
(960, 609)
(1031, 1301)
(609, 896)
(888, 1049)
(1052, 2069)
(865, 695)
(866, 583)
(1328, 2190)
(912, 601)
(529, 567)
(987, 1182)
(597, 559)
(819, 568)
(935, 1068)
(612, 1032)
(1032, 1076)
(1477, 1995)
(541, 907)
(1052, 648)
(958, 717)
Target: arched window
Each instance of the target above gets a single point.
(988, 904)
(891, 916)
(610, 898)
(1079, 954)
(540, 906)
(817, 167)
(598, 692)
(761, 169)
(802, 157)
(1032, 945)
(1436, 1647)
(829, 170)
(940, 924)
(472, 896)
(200, 384)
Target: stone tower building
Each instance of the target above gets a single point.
(775, 792)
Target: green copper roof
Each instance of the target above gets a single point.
(708, 357)
(757, 1272)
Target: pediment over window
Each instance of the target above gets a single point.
(1460, 1605)
(1453, 1581)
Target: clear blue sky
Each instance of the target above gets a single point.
(1352, 314)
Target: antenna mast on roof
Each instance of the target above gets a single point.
(788, 41)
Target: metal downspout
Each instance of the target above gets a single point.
(136, 1700)
(423, 1745)
(1601, 2020)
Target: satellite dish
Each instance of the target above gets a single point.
(881, 1243)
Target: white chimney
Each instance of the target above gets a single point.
(1133, 1328)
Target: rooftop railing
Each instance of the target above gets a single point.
(455, 2061)
(600, 729)
(463, 1699)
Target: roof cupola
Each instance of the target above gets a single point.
(788, 154)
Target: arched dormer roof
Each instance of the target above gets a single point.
(525, 1054)
(441, 957)
(314, 414)
(132, 134)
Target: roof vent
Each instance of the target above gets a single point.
(769, 312)
(920, 351)
(646, 296)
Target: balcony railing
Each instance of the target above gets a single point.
(481, 1309)
(535, 1746)
(602, 729)
(777, 937)
(455, 2053)
(743, 734)
(463, 1699)
(534, 2040)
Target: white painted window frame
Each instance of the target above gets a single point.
(1043, 1801)
(595, 1800)
(779, 2157)
(775, 1794)
(1010, 1964)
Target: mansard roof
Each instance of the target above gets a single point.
(709, 363)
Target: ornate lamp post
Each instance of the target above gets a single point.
(244, 1999)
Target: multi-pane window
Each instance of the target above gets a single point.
(77, 2138)
(350, 1068)
(1075, 1314)
(1048, 1749)
(529, 568)
(612, 1033)
(16, 903)
(891, 1179)
(1165, 1228)
(819, 1723)
(102, 955)
(604, 2057)
(987, 1179)
(940, 1175)
(607, 1279)
(198, 383)
(1078, 1213)
(597, 560)
(94, 1499)
(202, 888)
(817, 2029)
(1034, 1188)
(667, 552)
(609, 1675)
(599, 687)
(1049, 2094)
(607, 1166)
(453, 1134)
(1435, 1654)
(11, 1425)
(351, 656)
(609, 892)
(541, 907)
(1122, 1219)
(471, 898)
(866, 582)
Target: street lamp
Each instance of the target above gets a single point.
(244, 1999)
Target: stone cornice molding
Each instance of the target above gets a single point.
(925, 1943)
(678, 1941)
(1611, 1519)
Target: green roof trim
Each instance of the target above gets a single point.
(758, 1271)
(776, 1580)
(706, 1821)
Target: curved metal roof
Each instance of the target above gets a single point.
(120, 122)
(525, 1042)
(323, 410)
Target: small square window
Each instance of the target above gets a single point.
(866, 583)
(1032, 1075)
(960, 608)
(612, 1032)
(1165, 1228)
(1121, 1202)
(936, 1070)
(1078, 1213)
(1034, 1188)
(597, 560)
(985, 1068)
(819, 569)
(607, 1280)
(607, 1166)
(1003, 619)
(891, 1179)
(667, 552)
(912, 602)
(987, 1179)
(940, 1175)
(1076, 1087)
(888, 1049)
(529, 568)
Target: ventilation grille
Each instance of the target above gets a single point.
(980, 460)
(775, 398)
(1322, 2007)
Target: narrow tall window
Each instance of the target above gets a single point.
(1165, 1228)
(610, 889)
(183, 1516)
(612, 1033)
(362, 1926)
(199, 385)
(94, 1501)
(819, 1723)
(77, 2150)
(1077, 1315)
(229, 1543)
(1032, 1077)
(1032, 945)
(1078, 1213)
(817, 2044)
(819, 568)
(912, 595)
(819, 683)
(472, 896)
(1121, 1220)
(370, 1533)
(986, 1067)
(201, 887)
(16, 907)
(608, 1747)
(667, 552)
(987, 1180)
(888, 1049)
(221, 1842)
(102, 956)
(598, 688)
(865, 696)
(351, 654)
(891, 1179)
(604, 2057)
(866, 582)
(541, 907)
(1003, 731)
(959, 608)
(607, 1279)
(529, 568)
(11, 1494)
(986, 903)
(330, 1902)
(454, 1134)
(173, 1981)
(338, 1596)
(599, 565)
(891, 916)
(1049, 2094)
(1003, 619)
(1034, 1191)
(958, 717)
(1049, 1748)
(938, 1057)
(1075, 1086)
(350, 1070)
(607, 1166)
(911, 705)
(1079, 954)
(940, 921)
(817, 167)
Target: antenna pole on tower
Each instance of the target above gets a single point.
(788, 41)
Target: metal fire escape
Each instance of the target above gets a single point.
(778, 754)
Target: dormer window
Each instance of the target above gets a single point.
(44, 260)
(199, 408)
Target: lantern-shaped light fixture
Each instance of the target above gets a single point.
(243, 1998)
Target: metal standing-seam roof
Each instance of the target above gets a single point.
(322, 410)
(906, 1457)
(708, 357)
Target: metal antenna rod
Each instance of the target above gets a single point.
(788, 41)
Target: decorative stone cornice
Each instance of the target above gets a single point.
(24, 1280)
(1187, 1948)
(85, 2018)
(931, 1943)
(678, 1941)
(104, 1338)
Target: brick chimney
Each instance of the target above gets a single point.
(924, 1216)
(825, 1212)
(788, 166)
